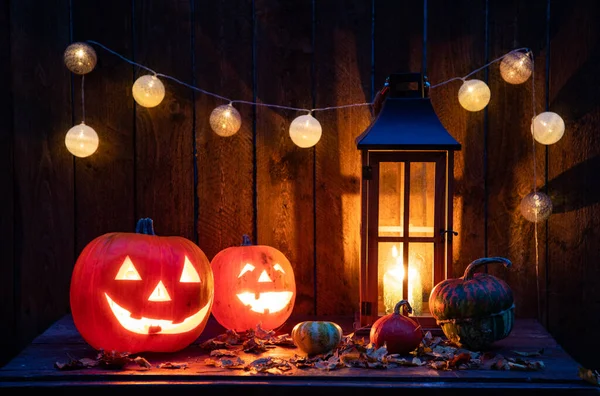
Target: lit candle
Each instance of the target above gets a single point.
(392, 288)
(415, 291)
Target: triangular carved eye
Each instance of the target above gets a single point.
(128, 271)
(189, 273)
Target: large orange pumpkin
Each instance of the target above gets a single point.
(254, 284)
(136, 292)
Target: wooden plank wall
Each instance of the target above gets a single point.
(166, 162)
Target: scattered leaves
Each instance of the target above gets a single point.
(593, 377)
(223, 352)
(112, 360)
(173, 366)
(142, 362)
(236, 363)
(517, 364)
(530, 354)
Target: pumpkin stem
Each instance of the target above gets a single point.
(246, 241)
(145, 226)
(469, 272)
(400, 304)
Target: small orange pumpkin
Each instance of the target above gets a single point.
(254, 284)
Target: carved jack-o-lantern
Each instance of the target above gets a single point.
(135, 292)
(254, 284)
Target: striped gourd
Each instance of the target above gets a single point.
(316, 337)
(475, 309)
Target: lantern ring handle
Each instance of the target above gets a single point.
(444, 232)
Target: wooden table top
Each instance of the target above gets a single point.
(34, 368)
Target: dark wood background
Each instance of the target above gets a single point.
(167, 164)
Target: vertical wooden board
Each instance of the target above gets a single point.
(456, 47)
(7, 270)
(223, 53)
(284, 171)
(342, 76)
(164, 172)
(43, 168)
(104, 181)
(573, 170)
(515, 24)
(397, 39)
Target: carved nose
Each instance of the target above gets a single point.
(264, 277)
(160, 293)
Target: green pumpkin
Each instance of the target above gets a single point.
(476, 309)
(316, 337)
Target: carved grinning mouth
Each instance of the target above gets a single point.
(266, 302)
(156, 326)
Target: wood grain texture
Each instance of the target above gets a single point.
(7, 270)
(398, 39)
(104, 181)
(223, 53)
(164, 173)
(574, 164)
(285, 171)
(342, 76)
(515, 24)
(455, 47)
(43, 168)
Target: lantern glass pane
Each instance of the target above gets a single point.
(390, 274)
(391, 198)
(420, 277)
(422, 195)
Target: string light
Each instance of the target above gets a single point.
(305, 131)
(225, 120)
(536, 207)
(515, 67)
(81, 140)
(474, 95)
(80, 58)
(547, 128)
(148, 91)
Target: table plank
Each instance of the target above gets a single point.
(34, 367)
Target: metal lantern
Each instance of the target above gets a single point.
(407, 188)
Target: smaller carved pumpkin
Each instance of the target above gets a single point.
(254, 285)
(399, 333)
(476, 309)
(316, 337)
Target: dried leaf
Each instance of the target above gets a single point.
(439, 365)
(530, 354)
(375, 354)
(72, 364)
(173, 366)
(254, 345)
(236, 363)
(213, 344)
(229, 337)
(87, 362)
(142, 362)
(593, 377)
(263, 334)
(113, 360)
(283, 340)
(223, 352)
(460, 359)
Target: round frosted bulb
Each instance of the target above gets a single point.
(148, 91)
(80, 58)
(474, 95)
(305, 131)
(516, 67)
(547, 128)
(81, 140)
(225, 120)
(536, 207)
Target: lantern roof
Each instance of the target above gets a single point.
(407, 120)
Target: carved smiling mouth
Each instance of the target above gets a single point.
(266, 302)
(156, 326)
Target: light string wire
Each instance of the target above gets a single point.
(82, 100)
(535, 223)
(309, 111)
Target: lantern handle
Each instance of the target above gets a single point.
(469, 271)
(444, 232)
(145, 226)
(400, 304)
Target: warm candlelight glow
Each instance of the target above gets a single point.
(393, 285)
